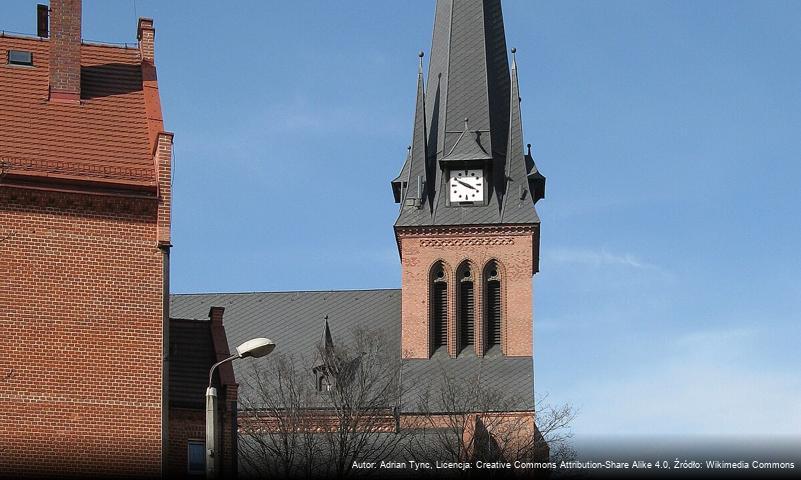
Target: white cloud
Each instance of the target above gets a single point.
(595, 258)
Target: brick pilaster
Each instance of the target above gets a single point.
(163, 159)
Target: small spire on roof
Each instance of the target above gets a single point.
(421, 54)
(327, 343)
(514, 58)
(529, 149)
(466, 123)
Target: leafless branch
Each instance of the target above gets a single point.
(472, 420)
(307, 418)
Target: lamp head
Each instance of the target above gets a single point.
(258, 347)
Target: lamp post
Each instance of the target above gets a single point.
(258, 347)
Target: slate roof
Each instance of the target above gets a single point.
(294, 321)
(107, 138)
(469, 107)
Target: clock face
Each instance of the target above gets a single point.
(466, 185)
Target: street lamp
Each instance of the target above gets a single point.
(258, 347)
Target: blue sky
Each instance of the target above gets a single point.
(670, 293)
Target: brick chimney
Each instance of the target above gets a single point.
(65, 51)
(216, 316)
(146, 35)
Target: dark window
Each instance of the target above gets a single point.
(440, 313)
(465, 317)
(18, 57)
(493, 316)
(493, 304)
(324, 383)
(466, 313)
(196, 457)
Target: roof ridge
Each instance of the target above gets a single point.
(20, 35)
(118, 45)
(84, 42)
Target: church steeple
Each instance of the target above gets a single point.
(467, 231)
(463, 124)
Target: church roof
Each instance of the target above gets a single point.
(293, 320)
(469, 107)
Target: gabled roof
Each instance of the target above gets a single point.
(293, 321)
(470, 117)
(107, 139)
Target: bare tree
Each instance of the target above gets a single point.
(363, 393)
(554, 424)
(278, 435)
(305, 419)
(467, 420)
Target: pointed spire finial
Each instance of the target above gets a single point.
(466, 123)
(514, 58)
(420, 67)
(529, 149)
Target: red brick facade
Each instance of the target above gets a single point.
(514, 248)
(81, 296)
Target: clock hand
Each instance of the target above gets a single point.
(465, 184)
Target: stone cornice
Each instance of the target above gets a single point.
(142, 208)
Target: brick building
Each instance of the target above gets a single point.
(85, 177)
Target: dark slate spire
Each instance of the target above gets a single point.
(413, 181)
(327, 342)
(466, 117)
(325, 349)
(519, 204)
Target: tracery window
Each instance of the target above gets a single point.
(465, 313)
(493, 305)
(438, 319)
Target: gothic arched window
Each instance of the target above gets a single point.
(493, 305)
(438, 300)
(465, 307)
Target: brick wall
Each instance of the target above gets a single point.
(190, 424)
(512, 247)
(81, 315)
(185, 424)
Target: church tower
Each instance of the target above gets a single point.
(468, 233)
